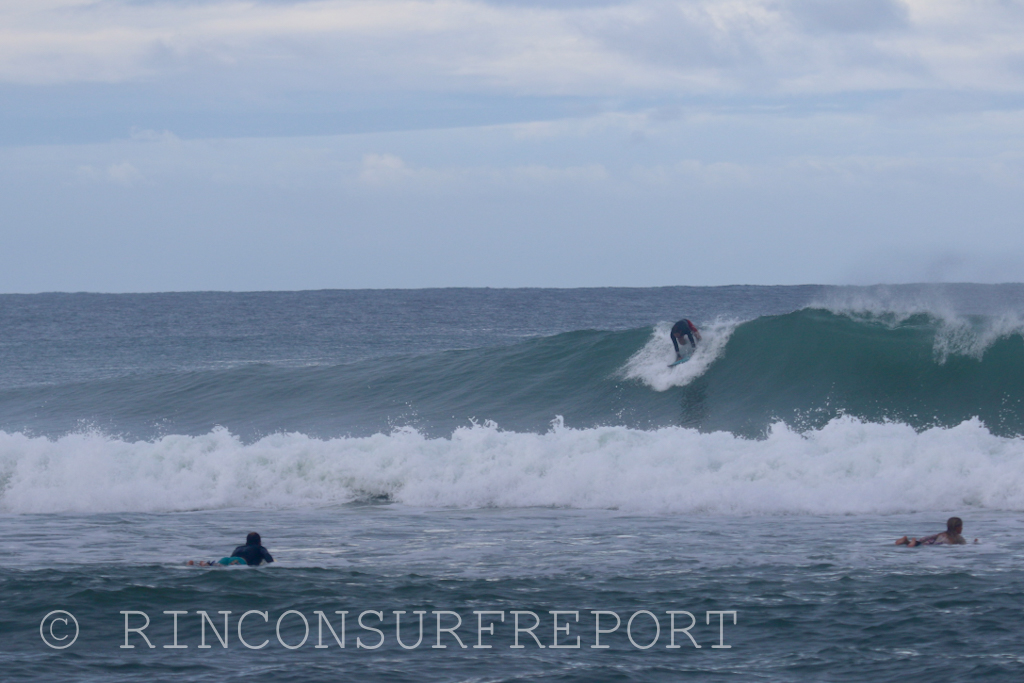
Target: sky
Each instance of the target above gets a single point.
(150, 145)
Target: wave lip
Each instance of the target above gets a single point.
(846, 467)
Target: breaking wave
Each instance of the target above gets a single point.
(846, 466)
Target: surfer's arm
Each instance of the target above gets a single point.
(265, 555)
(693, 328)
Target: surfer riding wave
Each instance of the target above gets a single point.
(684, 328)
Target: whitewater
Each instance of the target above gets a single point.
(846, 467)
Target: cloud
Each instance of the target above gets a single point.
(123, 173)
(390, 171)
(261, 49)
(147, 135)
(542, 175)
(849, 16)
(384, 169)
(696, 173)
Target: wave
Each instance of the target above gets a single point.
(522, 386)
(807, 367)
(804, 368)
(847, 466)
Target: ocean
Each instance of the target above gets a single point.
(512, 485)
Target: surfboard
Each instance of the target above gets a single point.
(681, 361)
(223, 562)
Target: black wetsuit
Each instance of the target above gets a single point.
(684, 326)
(252, 553)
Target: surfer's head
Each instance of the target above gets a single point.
(954, 525)
(253, 539)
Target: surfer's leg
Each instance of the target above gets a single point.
(903, 541)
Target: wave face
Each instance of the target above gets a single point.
(803, 368)
(521, 386)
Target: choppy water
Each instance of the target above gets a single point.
(518, 450)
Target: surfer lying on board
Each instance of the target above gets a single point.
(252, 553)
(951, 536)
(684, 328)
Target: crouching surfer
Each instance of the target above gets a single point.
(684, 328)
(951, 536)
(251, 554)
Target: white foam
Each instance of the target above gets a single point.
(956, 334)
(887, 304)
(846, 467)
(650, 364)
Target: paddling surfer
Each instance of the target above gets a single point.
(251, 554)
(951, 536)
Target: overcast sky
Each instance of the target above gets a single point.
(155, 145)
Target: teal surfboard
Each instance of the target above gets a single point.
(681, 361)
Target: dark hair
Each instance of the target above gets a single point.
(951, 523)
(253, 539)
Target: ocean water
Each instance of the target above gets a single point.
(521, 454)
